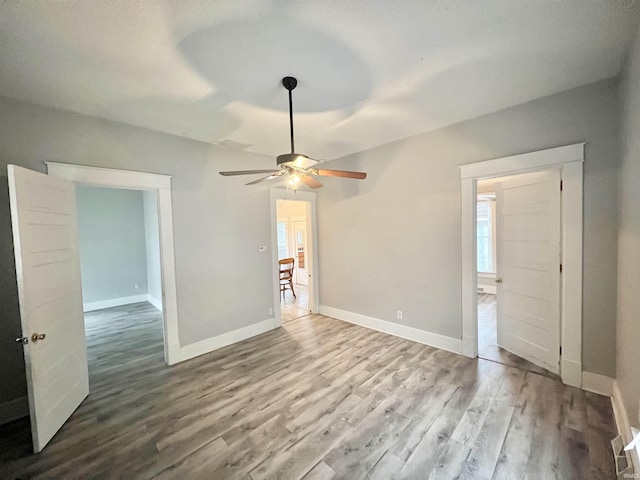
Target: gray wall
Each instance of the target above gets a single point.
(391, 235)
(628, 357)
(218, 222)
(152, 247)
(111, 231)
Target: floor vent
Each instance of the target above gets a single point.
(623, 465)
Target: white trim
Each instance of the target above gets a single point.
(571, 281)
(593, 382)
(14, 409)
(161, 184)
(416, 335)
(532, 161)
(156, 302)
(112, 178)
(623, 425)
(113, 302)
(301, 196)
(569, 159)
(229, 338)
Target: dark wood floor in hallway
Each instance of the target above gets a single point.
(315, 399)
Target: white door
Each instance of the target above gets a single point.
(528, 264)
(302, 263)
(45, 238)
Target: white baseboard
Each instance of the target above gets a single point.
(234, 336)
(421, 336)
(114, 302)
(571, 372)
(623, 425)
(13, 410)
(593, 382)
(155, 302)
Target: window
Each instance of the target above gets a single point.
(485, 237)
(283, 248)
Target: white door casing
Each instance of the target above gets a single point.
(276, 194)
(569, 159)
(43, 217)
(528, 240)
(161, 184)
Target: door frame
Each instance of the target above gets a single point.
(161, 185)
(276, 194)
(569, 159)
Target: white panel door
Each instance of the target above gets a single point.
(302, 261)
(45, 237)
(528, 263)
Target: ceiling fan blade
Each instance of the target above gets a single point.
(340, 173)
(311, 182)
(248, 172)
(263, 179)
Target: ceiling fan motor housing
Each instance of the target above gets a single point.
(296, 160)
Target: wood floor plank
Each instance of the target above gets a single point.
(316, 399)
(321, 471)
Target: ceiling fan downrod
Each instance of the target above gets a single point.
(290, 83)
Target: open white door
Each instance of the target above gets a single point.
(528, 264)
(45, 238)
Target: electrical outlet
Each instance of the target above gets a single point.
(136, 286)
(399, 314)
(270, 311)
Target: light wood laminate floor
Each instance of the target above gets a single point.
(294, 307)
(315, 399)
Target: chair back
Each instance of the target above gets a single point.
(286, 268)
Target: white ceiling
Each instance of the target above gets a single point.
(370, 71)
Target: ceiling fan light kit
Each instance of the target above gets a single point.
(298, 167)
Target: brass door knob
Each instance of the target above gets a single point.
(37, 336)
(498, 280)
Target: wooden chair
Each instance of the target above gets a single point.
(286, 275)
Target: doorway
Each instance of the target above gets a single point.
(292, 244)
(569, 161)
(118, 239)
(160, 186)
(517, 240)
(294, 236)
(45, 237)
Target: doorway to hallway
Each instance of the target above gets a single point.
(292, 224)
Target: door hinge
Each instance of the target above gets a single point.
(560, 185)
(560, 268)
(560, 350)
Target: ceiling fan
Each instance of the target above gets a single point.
(300, 168)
